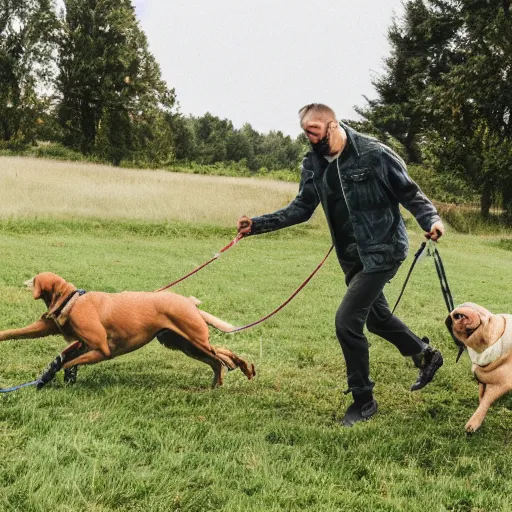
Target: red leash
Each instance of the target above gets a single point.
(217, 256)
(287, 301)
(238, 329)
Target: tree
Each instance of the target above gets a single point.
(113, 99)
(420, 54)
(473, 101)
(447, 91)
(27, 39)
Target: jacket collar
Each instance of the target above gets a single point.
(352, 136)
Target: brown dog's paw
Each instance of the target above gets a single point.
(248, 369)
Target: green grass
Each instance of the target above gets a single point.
(144, 432)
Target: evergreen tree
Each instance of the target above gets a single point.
(419, 55)
(473, 103)
(113, 99)
(27, 36)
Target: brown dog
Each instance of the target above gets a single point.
(112, 324)
(488, 340)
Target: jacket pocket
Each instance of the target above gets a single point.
(364, 190)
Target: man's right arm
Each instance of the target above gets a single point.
(299, 210)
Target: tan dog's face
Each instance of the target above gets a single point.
(474, 326)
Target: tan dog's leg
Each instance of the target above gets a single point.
(43, 327)
(481, 391)
(490, 394)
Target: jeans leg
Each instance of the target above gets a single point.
(382, 322)
(363, 290)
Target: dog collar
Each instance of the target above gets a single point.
(60, 315)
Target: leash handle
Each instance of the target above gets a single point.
(197, 269)
(288, 300)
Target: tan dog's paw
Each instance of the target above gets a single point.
(472, 426)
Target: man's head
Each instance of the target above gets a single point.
(321, 128)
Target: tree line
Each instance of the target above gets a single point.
(84, 76)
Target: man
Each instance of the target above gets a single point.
(360, 183)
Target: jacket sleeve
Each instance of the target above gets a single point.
(299, 210)
(407, 191)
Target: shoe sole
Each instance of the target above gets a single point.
(436, 363)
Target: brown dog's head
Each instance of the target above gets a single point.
(473, 326)
(50, 287)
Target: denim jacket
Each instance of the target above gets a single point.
(374, 183)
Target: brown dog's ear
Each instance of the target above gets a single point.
(36, 287)
(36, 292)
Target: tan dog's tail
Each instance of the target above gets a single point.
(216, 322)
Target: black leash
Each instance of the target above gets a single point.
(441, 273)
(416, 258)
(447, 294)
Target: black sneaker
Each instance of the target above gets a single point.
(432, 360)
(418, 359)
(357, 412)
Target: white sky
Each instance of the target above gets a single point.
(259, 61)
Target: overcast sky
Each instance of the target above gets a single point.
(259, 61)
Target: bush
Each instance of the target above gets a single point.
(444, 188)
(57, 151)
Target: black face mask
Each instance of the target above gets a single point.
(322, 147)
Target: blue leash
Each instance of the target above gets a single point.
(15, 388)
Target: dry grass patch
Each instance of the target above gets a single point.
(31, 187)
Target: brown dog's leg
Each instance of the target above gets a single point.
(490, 395)
(91, 357)
(43, 327)
(173, 340)
(236, 362)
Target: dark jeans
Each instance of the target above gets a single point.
(363, 303)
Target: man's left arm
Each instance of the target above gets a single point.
(411, 196)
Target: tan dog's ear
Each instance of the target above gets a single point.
(449, 322)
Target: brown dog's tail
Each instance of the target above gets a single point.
(216, 322)
(212, 320)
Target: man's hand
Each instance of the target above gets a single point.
(436, 231)
(243, 225)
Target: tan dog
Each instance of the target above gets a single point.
(488, 340)
(112, 324)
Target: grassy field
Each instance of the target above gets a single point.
(144, 432)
